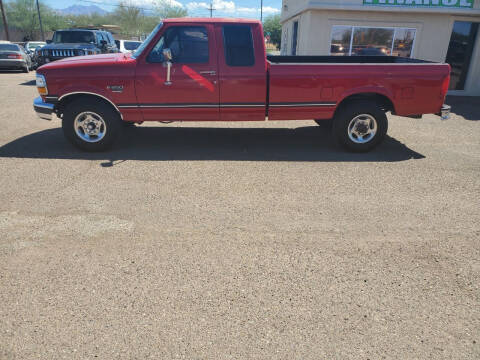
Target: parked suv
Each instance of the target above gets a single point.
(76, 42)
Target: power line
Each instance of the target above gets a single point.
(116, 5)
(120, 5)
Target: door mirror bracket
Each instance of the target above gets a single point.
(167, 56)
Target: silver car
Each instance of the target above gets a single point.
(14, 57)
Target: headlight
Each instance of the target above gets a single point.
(41, 84)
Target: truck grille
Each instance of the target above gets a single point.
(61, 53)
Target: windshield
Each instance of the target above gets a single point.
(74, 37)
(34, 45)
(131, 45)
(9, 47)
(147, 41)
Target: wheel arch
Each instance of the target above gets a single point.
(68, 98)
(383, 100)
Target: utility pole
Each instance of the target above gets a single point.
(211, 9)
(40, 21)
(261, 11)
(4, 17)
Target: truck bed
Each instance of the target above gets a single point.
(275, 59)
(306, 87)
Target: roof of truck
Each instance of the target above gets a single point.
(212, 20)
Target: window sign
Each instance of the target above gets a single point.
(423, 3)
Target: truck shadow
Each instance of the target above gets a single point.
(466, 106)
(29, 83)
(309, 143)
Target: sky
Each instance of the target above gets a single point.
(229, 8)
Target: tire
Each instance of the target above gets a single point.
(26, 69)
(359, 126)
(324, 123)
(129, 124)
(94, 116)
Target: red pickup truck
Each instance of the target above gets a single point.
(217, 69)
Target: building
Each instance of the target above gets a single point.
(437, 30)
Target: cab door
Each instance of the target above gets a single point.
(192, 92)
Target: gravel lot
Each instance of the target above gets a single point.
(239, 241)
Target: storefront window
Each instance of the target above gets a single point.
(460, 51)
(403, 44)
(377, 41)
(340, 44)
(372, 41)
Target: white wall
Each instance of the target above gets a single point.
(433, 31)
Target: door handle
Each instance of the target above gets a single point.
(208, 72)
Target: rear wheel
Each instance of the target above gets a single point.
(359, 126)
(91, 125)
(26, 69)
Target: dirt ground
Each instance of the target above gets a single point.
(239, 241)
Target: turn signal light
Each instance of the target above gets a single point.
(445, 85)
(41, 84)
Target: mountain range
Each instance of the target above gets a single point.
(82, 10)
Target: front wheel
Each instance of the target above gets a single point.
(359, 126)
(91, 125)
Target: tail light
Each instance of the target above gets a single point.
(445, 84)
(14, 56)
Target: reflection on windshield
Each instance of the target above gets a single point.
(9, 47)
(74, 37)
(147, 41)
(32, 46)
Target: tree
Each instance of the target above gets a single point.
(129, 18)
(23, 15)
(168, 9)
(273, 29)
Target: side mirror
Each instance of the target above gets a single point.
(167, 54)
(167, 57)
(48, 41)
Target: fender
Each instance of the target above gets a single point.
(367, 89)
(90, 90)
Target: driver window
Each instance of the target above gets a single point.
(188, 44)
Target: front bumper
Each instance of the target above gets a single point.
(44, 110)
(445, 112)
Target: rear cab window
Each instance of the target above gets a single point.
(238, 45)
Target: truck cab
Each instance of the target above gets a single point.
(218, 69)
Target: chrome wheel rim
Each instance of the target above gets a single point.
(362, 128)
(90, 126)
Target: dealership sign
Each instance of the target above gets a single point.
(427, 3)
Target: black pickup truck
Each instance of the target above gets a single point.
(76, 42)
